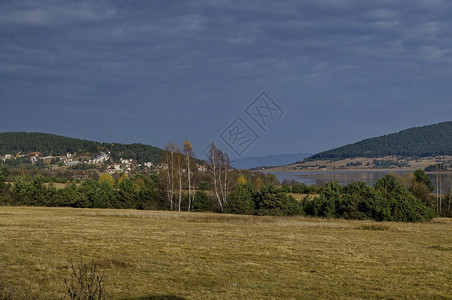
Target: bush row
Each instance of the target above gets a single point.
(387, 200)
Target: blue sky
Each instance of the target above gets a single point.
(159, 71)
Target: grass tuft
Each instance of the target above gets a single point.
(5, 292)
(375, 227)
(440, 248)
(111, 263)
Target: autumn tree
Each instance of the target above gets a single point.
(438, 190)
(105, 177)
(168, 172)
(179, 176)
(122, 178)
(189, 158)
(450, 197)
(219, 169)
(421, 187)
(241, 180)
(4, 187)
(258, 183)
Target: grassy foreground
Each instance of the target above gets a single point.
(147, 255)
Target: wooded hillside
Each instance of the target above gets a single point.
(51, 144)
(432, 140)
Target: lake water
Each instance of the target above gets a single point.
(346, 177)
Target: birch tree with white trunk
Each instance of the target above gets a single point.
(189, 159)
(168, 170)
(219, 169)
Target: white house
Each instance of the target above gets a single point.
(202, 168)
(99, 159)
(126, 161)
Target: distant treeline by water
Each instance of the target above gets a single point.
(346, 177)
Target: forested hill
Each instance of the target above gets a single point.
(423, 141)
(51, 144)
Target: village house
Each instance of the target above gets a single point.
(34, 156)
(202, 168)
(114, 168)
(47, 159)
(162, 167)
(99, 159)
(126, 161)
(110, 170)
(72, 163)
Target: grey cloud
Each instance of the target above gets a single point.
(107, 53)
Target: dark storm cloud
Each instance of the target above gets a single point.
(118, 70)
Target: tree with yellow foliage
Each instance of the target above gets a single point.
(105, 177)
(241, 180)
(122, 178)
(258, 184)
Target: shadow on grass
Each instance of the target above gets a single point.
(158, 297)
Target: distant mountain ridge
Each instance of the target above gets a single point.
(425, 141)
(268, 160)
(52, 144)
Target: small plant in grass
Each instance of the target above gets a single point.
(5, 292)
(85, 282)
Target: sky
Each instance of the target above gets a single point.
(255, 77)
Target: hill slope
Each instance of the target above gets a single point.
(423, 141)
(51, 144)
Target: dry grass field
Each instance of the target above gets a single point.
(152, 255)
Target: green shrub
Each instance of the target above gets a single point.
(285, 189)
(299, 188)
(201, 202)
(270, 201)
(388, 200)
(240, 200)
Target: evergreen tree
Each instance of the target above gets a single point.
(202, 202)
(240, 200)
(270, 201)
(127, 195)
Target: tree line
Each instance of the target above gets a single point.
(180, 186)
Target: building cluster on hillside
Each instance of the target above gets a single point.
(35, 156)
(99, 159)
(124, 165)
